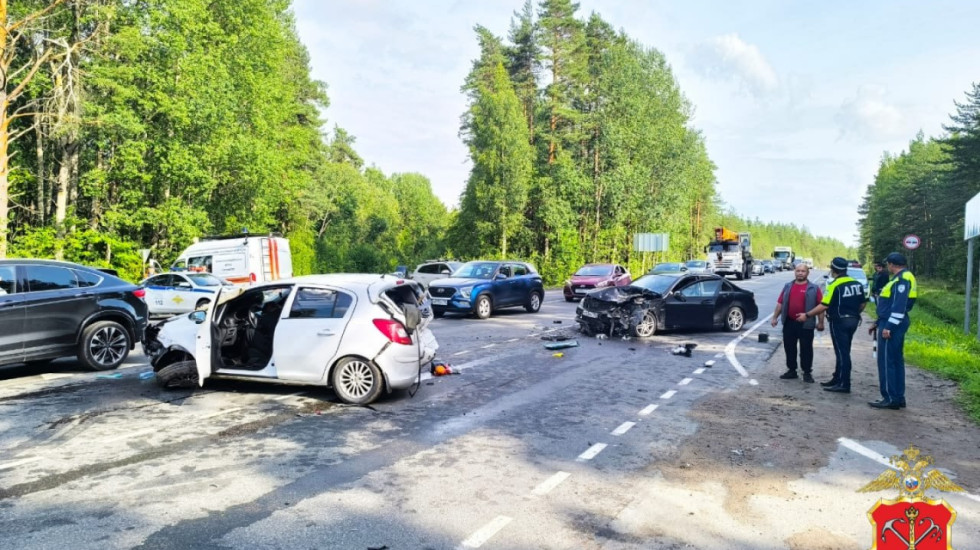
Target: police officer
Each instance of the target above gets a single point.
(894, 303)
(843, 303)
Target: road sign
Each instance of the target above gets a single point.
(911, 242)
(145, 253)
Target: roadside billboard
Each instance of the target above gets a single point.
(972, 222)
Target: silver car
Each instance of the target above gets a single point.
(433, 270)
(362, 335)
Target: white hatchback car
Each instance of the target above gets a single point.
(360, 334)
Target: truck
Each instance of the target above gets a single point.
(242, 259)
(783, 257)
(730, 253)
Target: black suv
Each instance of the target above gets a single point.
(54, 309)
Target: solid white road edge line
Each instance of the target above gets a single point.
(484, 533)
(730, 348)
(882, 459)
(669, 394)
(623, 428)
(648, 409)
(591, 452)
(546, 486)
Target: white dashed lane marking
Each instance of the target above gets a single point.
(545, 487)
(685, 382)
(669, 394)
(483, 534)
(591, 452)
(623, 428)
(699, 371)
(648, 409)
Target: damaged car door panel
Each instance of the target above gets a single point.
(360, 334)
(667, 301)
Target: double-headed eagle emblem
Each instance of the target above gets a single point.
(911, 479)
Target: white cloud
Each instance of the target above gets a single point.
(867, 114)
(730, 57)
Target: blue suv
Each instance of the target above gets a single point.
(481, 287)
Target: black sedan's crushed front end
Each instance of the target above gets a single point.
(616, 310)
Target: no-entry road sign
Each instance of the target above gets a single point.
(911, 242)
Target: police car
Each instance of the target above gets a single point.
(174, 293)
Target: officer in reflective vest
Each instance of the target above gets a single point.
(894, 304)
(843, 303)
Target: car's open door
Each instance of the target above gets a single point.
(203, 347)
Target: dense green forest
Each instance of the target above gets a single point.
(128, 125)
(923, 191)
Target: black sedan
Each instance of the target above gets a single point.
(667, 301)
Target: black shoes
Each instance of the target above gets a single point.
(789, 375)
(829, 383)
(807, 377)
(838, 389)
(882, 404)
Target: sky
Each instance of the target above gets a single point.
(797, 101)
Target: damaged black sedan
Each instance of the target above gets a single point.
(667, 301)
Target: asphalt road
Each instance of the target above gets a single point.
(522, 449)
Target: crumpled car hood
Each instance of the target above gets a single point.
(622, 294)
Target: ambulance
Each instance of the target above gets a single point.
(243, 259)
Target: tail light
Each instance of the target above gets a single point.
(252, 277)
(140, 293)
(394, 331)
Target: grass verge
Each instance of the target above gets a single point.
(936, 341)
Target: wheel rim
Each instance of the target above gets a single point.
(535, 302)
(647, 325)
(735, 319)
(483, 308)
(356, 379)
(108, 345)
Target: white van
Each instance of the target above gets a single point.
(241, 259)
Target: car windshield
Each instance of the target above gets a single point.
(204, 279)
(476, 270)
(667, 267)
(657, 283)
(696, 263)
(782, 255)
(594, 271)
(857, 274)
(725, 247)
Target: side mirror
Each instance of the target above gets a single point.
(680, 297)
(445, 272)
(197, 316)
(184, 285)
(683, 268)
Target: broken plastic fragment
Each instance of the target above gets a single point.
(558, 354)
(114, 376)
(562, 345)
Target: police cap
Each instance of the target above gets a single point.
(840, 264)
(896, 259)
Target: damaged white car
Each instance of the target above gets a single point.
(359, 334)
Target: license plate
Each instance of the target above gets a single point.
(440, 301)
(590, 314)
(580, 291)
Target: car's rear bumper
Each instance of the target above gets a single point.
(400, 363)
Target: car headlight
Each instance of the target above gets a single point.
(465, 292)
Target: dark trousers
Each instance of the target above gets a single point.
(793, 333)
(841, 335)
(891, 362)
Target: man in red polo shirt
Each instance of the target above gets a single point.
(798, 296)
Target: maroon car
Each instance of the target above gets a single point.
(592, 276)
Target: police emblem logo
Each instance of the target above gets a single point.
(912, 521)
(901, 289)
